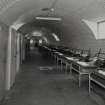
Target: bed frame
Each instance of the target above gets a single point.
(97, 77)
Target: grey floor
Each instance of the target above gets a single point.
(35, 86)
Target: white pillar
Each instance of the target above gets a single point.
(8, 67)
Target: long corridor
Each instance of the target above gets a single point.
(36, 86)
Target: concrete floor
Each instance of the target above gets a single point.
(48, 87)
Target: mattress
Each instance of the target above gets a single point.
(98, 76)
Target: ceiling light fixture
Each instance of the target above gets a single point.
(49, 15)
(48, 18)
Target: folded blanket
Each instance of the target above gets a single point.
(83, 63)
(70, 58)
(101, 72)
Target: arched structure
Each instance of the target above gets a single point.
(17, 18)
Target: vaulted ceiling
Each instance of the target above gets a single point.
(26, 10)
(21, 14)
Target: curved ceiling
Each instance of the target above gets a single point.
(54, 26)
(23, 11)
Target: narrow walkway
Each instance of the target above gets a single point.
(38, 87)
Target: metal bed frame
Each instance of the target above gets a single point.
(100, 55)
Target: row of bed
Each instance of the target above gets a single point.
(80, 61)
